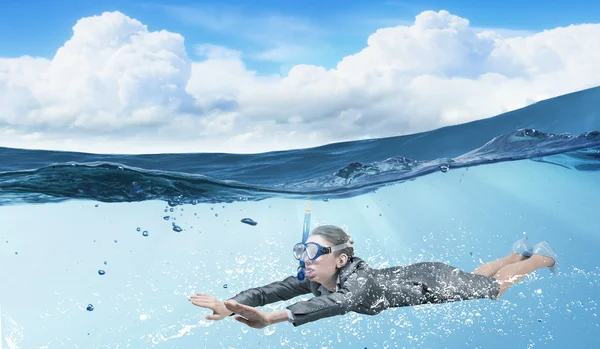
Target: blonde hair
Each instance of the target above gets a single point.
(335, 236)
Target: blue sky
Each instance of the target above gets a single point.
(259, 76)
(318, 32)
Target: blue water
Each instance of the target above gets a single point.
(133, 235)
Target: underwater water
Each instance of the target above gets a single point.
(101, 251)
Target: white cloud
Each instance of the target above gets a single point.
(117, 87)
(111, 74)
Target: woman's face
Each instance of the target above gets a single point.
(322, 269)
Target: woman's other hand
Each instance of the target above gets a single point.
(219, 309)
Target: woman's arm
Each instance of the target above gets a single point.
(277, 291)
(316, 308)
(353, 293)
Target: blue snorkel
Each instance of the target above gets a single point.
(305, 232)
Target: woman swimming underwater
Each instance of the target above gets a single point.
(343, 283)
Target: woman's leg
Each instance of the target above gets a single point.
(513, 273)
(491, 268)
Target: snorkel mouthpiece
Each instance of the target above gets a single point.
(301, 272)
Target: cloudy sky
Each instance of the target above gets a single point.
(229, 76)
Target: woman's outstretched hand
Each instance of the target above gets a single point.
(205, 301)
(250, 316)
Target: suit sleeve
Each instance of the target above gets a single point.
(348, 298)
(277, 291)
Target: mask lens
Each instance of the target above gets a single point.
(298, 251)
(311, 250)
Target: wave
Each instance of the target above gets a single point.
(266, 175)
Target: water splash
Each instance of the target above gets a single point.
(112, 182)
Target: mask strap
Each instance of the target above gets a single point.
(341, 247)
